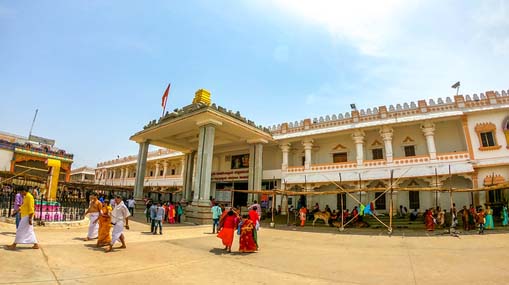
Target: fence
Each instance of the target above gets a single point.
(62, 210)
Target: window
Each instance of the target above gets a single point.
(487, 139)
(303, 161)
(340, 157)
(161, 172)
(486, 132)
(380, 202)
(378, 153)
(410, 150)
(173, 172)
(151, 173)
(413, 197)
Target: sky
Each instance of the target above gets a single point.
(96, 70)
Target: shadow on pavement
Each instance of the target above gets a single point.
(8, 233)
(221, 251)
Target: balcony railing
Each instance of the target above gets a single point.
(420, 159)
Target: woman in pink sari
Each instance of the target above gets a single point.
(247, 241)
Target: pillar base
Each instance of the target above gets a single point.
(199, 213)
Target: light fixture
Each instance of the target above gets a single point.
(456, 86)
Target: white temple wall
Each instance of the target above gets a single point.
(325, 148)
(495, 117)
(5, 159)
(272, 157)
(413, 132)
(449, 137)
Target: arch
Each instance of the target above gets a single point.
(457, 181)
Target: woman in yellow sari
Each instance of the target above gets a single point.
(104, 219)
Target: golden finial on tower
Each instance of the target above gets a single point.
(202, 96)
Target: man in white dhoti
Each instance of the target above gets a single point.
(94, 209)
(118, 215)
(25, 232)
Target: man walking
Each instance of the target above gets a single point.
(119, 214)
(158, 219)
(216, 213)
(25, 232)
(18, 201)
(94, 209)
(130, 204)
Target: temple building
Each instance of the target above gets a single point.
(28, 158)
(83, 174)
(452, 143)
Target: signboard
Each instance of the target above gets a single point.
(223, 196)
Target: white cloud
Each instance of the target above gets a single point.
(368, 25)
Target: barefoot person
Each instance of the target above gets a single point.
(94, 210)
(25, 232)
(118, 215)
(227, 231)
(104, 220)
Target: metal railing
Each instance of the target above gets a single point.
(64, 210)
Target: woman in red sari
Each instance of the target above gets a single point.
(247, 241)
(429, 221)
(171, 213)
(228, 230)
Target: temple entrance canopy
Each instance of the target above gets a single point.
(199, 130)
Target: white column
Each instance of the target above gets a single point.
(358, 138)
(157, 170)
(308, 146)
(285, 148)
(428, 129)
(140, 171)
(165, 168)
(121, 173)
(126, 173)
(182, 166)
(204, 164)
(386, 132)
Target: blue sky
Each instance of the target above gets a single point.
(96, 70)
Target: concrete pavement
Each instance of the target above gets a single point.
(191, 255)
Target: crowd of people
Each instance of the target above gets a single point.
(109, 217)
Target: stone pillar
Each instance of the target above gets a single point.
(428, 130)
(358, 138)
(187, 175)
(386, 132)
(121, 173)
(141, 165)
(255, 170)
(82, 176)
(308, 146)
(199, 211)
(204, 165)
(285, 148)
(126, 173)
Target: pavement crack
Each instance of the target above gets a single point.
(46, 259)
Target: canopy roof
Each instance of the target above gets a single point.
(179, 130)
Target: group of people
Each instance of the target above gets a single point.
(230, 221)
(103, 217)
(172, 212)
(472, 218)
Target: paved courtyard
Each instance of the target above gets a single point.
(191, 255)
